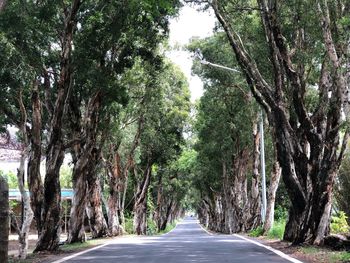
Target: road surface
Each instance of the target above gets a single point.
(188, 242)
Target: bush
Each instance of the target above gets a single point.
(281, 213)
(168, 228)
(277, 230)
(256, 232)
(151, 227)
(129, 225)
(339, 224)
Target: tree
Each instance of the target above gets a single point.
(27, 213)
(120, 40)
(298, 35)
(165, 118)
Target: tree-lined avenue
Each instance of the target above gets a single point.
(188, 242)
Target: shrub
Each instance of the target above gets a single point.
(281, 213)
(339, 224)
(256, 232)
(129, 225)
(151, 227)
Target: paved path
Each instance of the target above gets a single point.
(188, 242)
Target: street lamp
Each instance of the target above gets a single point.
(261, 127)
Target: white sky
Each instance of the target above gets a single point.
(190, 23)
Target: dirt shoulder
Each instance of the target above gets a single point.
(306, 254)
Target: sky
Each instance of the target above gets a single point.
(190, 23)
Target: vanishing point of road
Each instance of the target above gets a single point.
(188, 242)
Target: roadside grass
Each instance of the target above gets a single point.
(257, 232)
(168, 228)
(325, 255)
(277, 231)
(79, 246)
(342, 256)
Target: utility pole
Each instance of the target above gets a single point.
(262, 145)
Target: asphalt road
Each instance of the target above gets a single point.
(188, 242)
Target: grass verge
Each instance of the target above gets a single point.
(168, 228)
(325, 255)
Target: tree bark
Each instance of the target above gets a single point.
(4, 220)
(86, 157)
(2, 4)
(35, 184)
(270, 210)
(27, 215)
(76, 232)
(115, 188)
(140, 206)
(254, 200)
(97, 220)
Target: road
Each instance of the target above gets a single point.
(188, 242)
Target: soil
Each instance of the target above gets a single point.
(319, 254)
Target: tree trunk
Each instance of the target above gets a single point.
(255, 202)
(76, 232)
(270, 210)
(158, 211)
(227, 200)
(4, 220)
(86, 156)
(167, 216)
(240, 199)
(97, 220)
(140, 206)
(2, 4)
(130, 164)
(115, 187)
(35, 184)
(27, 211)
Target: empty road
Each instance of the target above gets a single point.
(188, 242)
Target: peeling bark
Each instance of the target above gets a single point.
(140, 206)
(115, 188)
(86, 157)
(27, 215)
(270, 210)
(35, 184)
(97, 221)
